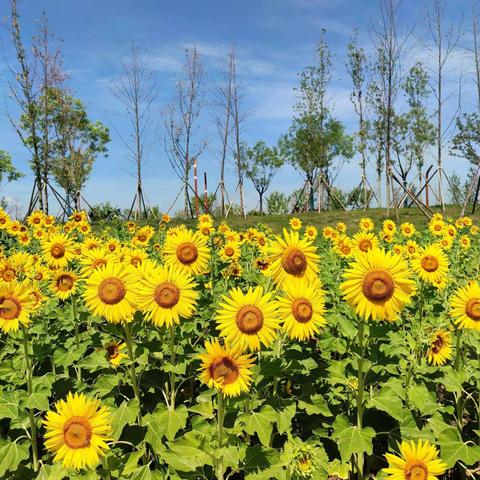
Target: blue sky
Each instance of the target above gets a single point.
(275, 39)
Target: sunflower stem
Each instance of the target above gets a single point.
(220, 421)
(172, 363)
(459, 398)
(360, 378)
(77, 337)
(31, 414)
(133, 375)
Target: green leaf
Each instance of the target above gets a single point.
(8, 406)
(142, 473)
(11, 455)
(132, 462)
(165, 422)
(38, 400)
(424, 400)
(65, 358)
(354, 440)
(51, 472)
(261, 423)
(453, 448)
(284, 418)
(184, 458)
(125, 414)
(318, 406)
(387, 401)
(453, 380)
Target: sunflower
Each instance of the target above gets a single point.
(64, 284)
(233, 270)
(111, 292)
(58, 250)
(430, 264)
(295, 223)
(77, 431)
(327, 232)
(446, 243)
(301, 309)
(248, 320)
(311, 232)
(366, 224)
(344, 247)
(16, 305)
(407, 229)
(389, 227)
(95, 258)
(114, 353)
(341, 227)
(205, 219)
(293, 257)
(440, 350)
(165, 218)
(365, 241)
(411, 248)
(467, 221)
(78, 217)
(398, 249)
(143, 235)
(450, 231)
(133, 256)
(230, 252)
(465, 306)
(226, 369)
(416, 462)
(165, 294)
(464, 242)
(8, 270)
(187, 250)
(112, 245)
(436, 226)
(4, 219)
(378, 284)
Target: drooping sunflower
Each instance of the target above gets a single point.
(431, 264)
(226, 368)
(440, 349)
(114, 353)
(187, 250)
(111, 292)
(248, 320)
(77, 432)
(165, 294)
(365, 241)
(293, 257)
(58, 250)
(230, 252)
(301, 309)
(465, 306)
(64, 284)
(378, 284)
(416, 462)
(16, 305)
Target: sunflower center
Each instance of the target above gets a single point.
(98, 263)
(345, 249)
(38, 276)
(294, 262)
(111, 291)
(65, 283)
(430, 263)
(112, 351)
(378, 285)
(229, 251)
(167, 295)
(10, 308)
(57, 250)
(8, 274)
(187, 253)
(302, 310)
(135, 261)
(417, 471)
(365, 245)
(142, 238)
(437, 344)
(473, 309)
(77, 432)
(249, 319)
(437, 227)
(224, 369)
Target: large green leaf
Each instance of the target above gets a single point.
(387, 401)
(125, 414)
(11, 455)
(261, 423)
(453, 448)
(165, 422)
(355, 440)
(8, 405)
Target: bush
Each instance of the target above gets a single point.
(104, 211)
(277, 203)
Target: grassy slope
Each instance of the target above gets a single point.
(320, 220)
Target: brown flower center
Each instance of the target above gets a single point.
(9, 274)
(302, 310)
(65, 282)
(224, 369)
(365, 245)
(417, 471)
(112, 351)
(77, 432)
(187, 253)
(10, 308)
(249, 319)
(142, 238)
(473, 309)
(429, 263)
(346, 249)
(36, 220)
(135, 261)
(229, 251)
(294, 262)
(57, 250)
(437, 227)
(378, 285)
(167, 295)
(98, 263)
(111, 291)
(437, 344)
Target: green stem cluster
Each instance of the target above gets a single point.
(220, 421)
(133, 374)
(360, 388)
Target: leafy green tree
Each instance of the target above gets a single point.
(7, 170)
(261, 162)
(277, 203)
(466, 142)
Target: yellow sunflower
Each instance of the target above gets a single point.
(465, 242)
(344, 247)
(465, 306)
(311, 232)
(16, 305)
(226, 368)
(301, 309)
(111, 292)
(389, 227)
(248, 320)
(431, 264)
(378, 284)
(416, 462)
(187, 250)
(341, 227)
(58, 250)
(165, 294)
(440, 350)
(366, 224)
(295, 223)
(95, 258)
(365, 241)
(411, 248)
(114, 352)
(64, 284)
(407, 229)
(293, 257)
(77, 432)
(230, 252)
(436, 226)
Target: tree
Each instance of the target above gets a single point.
(261, 164)
(7, 170)
(136, 89)
(77, 144)
(181, 122)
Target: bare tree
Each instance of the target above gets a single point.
(223, 103)
(136, 89)
(181, 122)
(444, 41)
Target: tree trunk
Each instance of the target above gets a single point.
(261, 203)
(242, 199)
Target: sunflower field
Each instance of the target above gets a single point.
(134, 352)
